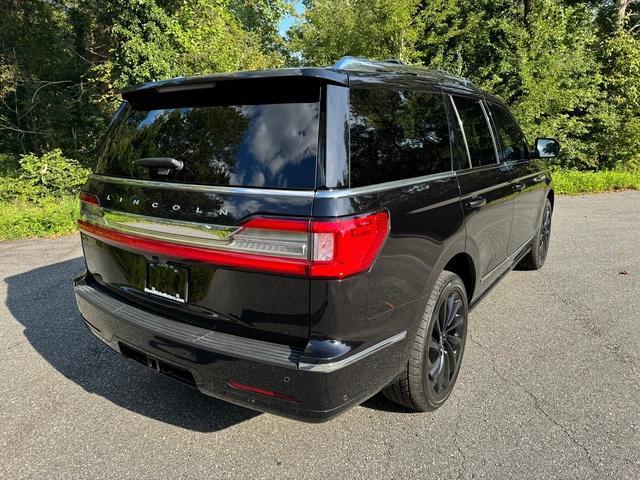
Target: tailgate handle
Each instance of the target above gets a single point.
(163, 164)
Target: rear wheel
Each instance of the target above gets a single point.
(436, 354)
(540, 244)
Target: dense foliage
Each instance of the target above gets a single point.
(62, 62)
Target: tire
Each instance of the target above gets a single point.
(540, 244)
(416, 388)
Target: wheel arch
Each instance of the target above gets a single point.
(462, 265)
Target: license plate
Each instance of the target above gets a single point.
(168, 281)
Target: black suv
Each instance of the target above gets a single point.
(297, 240)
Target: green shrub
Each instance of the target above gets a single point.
(9, 164)
(47, 217)
(50, 174)
(573, 182)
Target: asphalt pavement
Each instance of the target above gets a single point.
(549, 387)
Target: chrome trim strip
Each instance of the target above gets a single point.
(347, 192)
(345, 362)
(464, 135)
(491, 127)
(381, 187)
(510, 258)
(202, 188)
(503, 167)
(158, 228)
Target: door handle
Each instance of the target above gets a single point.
(475, 203)
(518, 187)
(540, 178)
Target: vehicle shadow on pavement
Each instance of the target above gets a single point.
(383, 404)
(42, 300)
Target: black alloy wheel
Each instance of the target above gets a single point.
(536, 257)
(437, 348)
(445, 345)
(545, 233)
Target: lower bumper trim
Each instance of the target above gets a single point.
(222, 343)
(328, 367)
(218, 342)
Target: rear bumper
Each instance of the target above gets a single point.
(310, 389)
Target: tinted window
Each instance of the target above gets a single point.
(260, 145)
(512, 144)
(397, 135)
(476, 131)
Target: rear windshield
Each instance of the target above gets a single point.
(237, 143)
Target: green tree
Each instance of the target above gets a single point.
(42, 96)
(263, 17)
(372, 28)
(619, 50)
(540, 57)
(62, 62)
(151, 40)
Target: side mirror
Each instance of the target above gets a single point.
(547, 147)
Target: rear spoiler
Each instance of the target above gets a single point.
(181, 86)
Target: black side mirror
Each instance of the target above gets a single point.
(547, 147)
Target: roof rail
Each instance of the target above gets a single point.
(360, 63)
(393, 65)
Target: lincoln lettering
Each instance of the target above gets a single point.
(174, 207)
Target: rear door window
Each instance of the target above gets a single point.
(476, 131)
(512, 144)
(220, 141)
(397, 134)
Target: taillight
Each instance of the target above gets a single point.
(335, 248)
(89, 198)
(347, 246)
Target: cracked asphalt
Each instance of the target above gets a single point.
(549, 388)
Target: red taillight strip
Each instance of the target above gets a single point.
(271, 223)
(338, 248)
(185, 252)
(262, 391)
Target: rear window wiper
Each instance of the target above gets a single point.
(163, 164)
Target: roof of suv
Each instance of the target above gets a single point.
(347, 71)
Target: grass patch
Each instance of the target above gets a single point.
(571, 182)
(48, 217)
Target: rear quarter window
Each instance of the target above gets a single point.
(397, 134)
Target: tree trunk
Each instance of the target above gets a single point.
(622, 14)
(527, 13)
